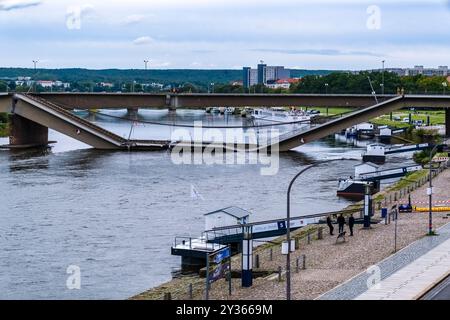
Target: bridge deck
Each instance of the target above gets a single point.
(48, 109)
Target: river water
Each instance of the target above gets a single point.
(115, 214)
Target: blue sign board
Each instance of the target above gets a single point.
(219, 264)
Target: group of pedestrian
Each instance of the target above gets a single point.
(341, 223)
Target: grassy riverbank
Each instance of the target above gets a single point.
(333, 111)
(436, 118)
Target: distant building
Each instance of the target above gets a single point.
(246, 77)
(50, 84)
(282, 83)
(264, 74)
(250, 77)
(106, 84)
(23, 81)
(274, 73)
(45, 83)
(418, 70)
(65, 85)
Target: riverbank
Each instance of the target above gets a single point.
(327, 264)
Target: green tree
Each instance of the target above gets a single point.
(3, 86)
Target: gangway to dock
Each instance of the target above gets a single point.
(407, 148)
(389, 173)
(265, 229)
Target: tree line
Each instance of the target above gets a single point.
(331, 83)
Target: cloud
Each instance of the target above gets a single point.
(133, 19)
(7, 5)
(200, 51)
(86, 10)
(320, 52)
(143, 41)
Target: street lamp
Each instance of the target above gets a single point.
(382, 82)
(212, 87)
(288, 221)
(35, 62)
(326, 88)
(444, 85)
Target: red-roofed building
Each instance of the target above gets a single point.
(283, 83)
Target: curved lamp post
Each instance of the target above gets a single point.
(288, 221)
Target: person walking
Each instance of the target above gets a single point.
(341, 223)
(351, 224)
(330, 225)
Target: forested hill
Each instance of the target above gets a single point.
(171, 76)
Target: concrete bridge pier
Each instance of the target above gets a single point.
(133, 112)
(173, 105)
(26, 133)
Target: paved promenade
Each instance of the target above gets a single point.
(405, 275)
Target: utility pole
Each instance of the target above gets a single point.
(35, 62)
(382, 82)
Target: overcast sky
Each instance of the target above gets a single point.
(212, 34)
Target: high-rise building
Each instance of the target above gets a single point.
(250, 77)
(246, 77)
(264, 74)
(253, 77)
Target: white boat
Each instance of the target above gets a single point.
(375, 153)
(230, 110)
(281, 115)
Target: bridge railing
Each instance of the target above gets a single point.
(212, 235)
(189, 243)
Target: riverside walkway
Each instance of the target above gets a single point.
(406, 275)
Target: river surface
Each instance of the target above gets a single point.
(115, 214)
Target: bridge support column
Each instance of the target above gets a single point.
(247, 259)
(447, 122)
(173, 103)
(27, 133)
(133, 112)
